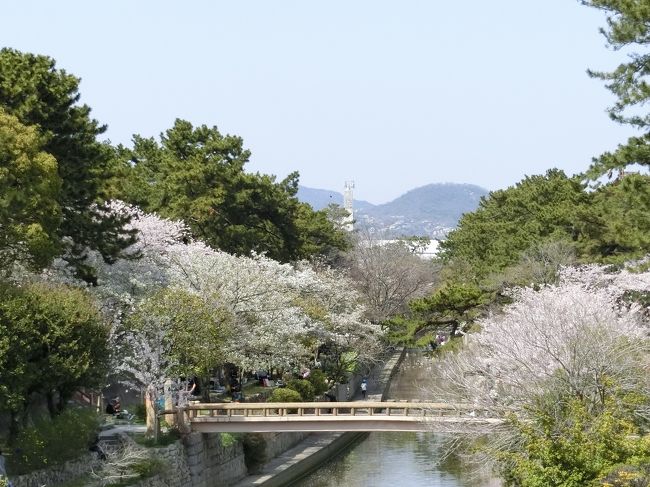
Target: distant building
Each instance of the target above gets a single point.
(428, 252)
(348, 203)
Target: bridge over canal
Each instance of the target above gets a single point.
(330, 416)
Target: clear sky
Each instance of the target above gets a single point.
(392, 94)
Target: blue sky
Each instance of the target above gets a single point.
(391, 94)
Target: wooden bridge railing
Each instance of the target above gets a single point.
(299, 409)
(325, 416)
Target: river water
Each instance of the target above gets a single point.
(403, 459)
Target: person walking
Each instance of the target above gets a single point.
(364, 388)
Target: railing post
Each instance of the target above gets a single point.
(156, 429)
(182, 419)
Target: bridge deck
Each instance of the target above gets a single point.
(331, 416)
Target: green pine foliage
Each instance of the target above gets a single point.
(39, 95)
(30, 213)
(615, 227)
(197, 175)
(628, 26)
(510, 221)
(609, 224)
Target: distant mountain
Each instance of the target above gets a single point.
(430, 210)
(321, 198)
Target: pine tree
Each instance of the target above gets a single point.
(38, 94)
(628, 25)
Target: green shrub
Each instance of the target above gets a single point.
(229, 439)
(285, 395)
(148, 467)
(302, 387)
(140, 413)
(254, 451)
(53, 442)
(318, 380)
(166, 438)
(4, 482)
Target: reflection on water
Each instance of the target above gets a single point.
(406, 459)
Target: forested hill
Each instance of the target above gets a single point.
(320, 198)
(429, 210)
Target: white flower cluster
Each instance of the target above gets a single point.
(578, 337)
(281, 311)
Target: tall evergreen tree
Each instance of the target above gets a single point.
(628, 25)
(38, 94)
(29, 189)
(196, 174)
(538, 209)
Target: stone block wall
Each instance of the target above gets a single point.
(176, 471)
(210, 463)
(200, 460)
(278, 443)
(59, 474)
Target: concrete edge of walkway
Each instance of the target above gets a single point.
(302, 459)
(318, 448)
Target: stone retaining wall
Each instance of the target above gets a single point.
(202, 461)
(199, 460)
(59, 474)
(277, 443)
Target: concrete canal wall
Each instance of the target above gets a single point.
(319, 448)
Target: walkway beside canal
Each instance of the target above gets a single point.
(317, 448)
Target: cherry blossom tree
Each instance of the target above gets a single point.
(576, 337)
(569, 361)
(337, 321)
(266, 305)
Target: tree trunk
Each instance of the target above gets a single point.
(51, 408)
(13, 427)
(150, 407)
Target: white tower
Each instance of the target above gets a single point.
(348, 201)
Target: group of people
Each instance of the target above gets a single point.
(114, 408)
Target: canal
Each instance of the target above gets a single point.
(405, 459)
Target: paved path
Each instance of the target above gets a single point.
(122, 428)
